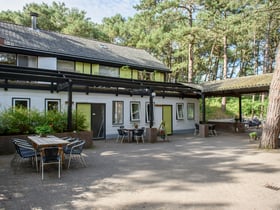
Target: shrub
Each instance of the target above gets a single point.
(23, 121)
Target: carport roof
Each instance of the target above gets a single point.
(235, 86)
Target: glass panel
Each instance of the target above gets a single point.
(159, 76)
(64, 65)
(27, 61)
(118, 112)
(190, 110)
(79, 67)
(109, 71)
(8, 58)
(87, 69)
(95, 69)
(179, 111)
(135, 111)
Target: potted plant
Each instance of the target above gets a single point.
(43, 130)
(135, 125)
(253, 135)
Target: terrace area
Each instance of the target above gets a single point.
(226, 171)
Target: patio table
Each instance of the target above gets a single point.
(48, 141)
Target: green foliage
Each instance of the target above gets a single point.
(249, 108)
(23, 121)
(43, 129)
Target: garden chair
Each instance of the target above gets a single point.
(212, 130)
(139, 134)
(51, 155)
(196, 129)
(74, 150)
(24, 150)
(121, 135)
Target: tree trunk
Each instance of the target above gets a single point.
(271, 128)
(224, 100)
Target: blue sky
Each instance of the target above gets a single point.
(95, 9)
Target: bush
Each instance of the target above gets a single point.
(23, 121)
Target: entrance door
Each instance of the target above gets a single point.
(95, 118)
(98, 120)
(167, 118)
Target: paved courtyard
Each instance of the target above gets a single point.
(223, 172)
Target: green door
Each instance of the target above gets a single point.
(167, 118)
(85, 109)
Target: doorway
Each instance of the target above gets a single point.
(95, 118)
(167, 118)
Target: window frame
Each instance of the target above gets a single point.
(132, 118)
(190, 111)
(179, 111)
(15, 99)
(52, 100)
(115, 113)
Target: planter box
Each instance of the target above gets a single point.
(151, 135)
(7, 147)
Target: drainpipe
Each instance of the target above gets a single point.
(152, 95)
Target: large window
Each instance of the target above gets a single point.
(27, 61)
(135, 111)
(8, 58)
(52, 105)
(179, 111)
(118, 112)
(108, 71)
(21, 102)
(64, 65)
(190, 111)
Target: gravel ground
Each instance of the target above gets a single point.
(223, 172)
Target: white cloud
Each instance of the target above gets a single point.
(95, 9)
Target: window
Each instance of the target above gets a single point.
(27, 61)
(134, 111)
(64, 65)
(8, 58)
(21, 102)
(108, 71)
(190, 111)
(147, 113)
(117, 112)
(52, 105)
(179, 111)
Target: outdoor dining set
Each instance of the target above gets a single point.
(48, 150)
(130, 134)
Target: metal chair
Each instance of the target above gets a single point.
(51, 155)
(139, 134)
(196, 129)
(121, 135)
(212, 130)
(24, 150)
(74, 150)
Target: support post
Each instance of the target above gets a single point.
(240, 109)
(203, 108)
(151, 107)
(69, 111)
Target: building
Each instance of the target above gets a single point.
(111, 85)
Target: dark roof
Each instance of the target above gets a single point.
(25, 38)
(236, 86)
